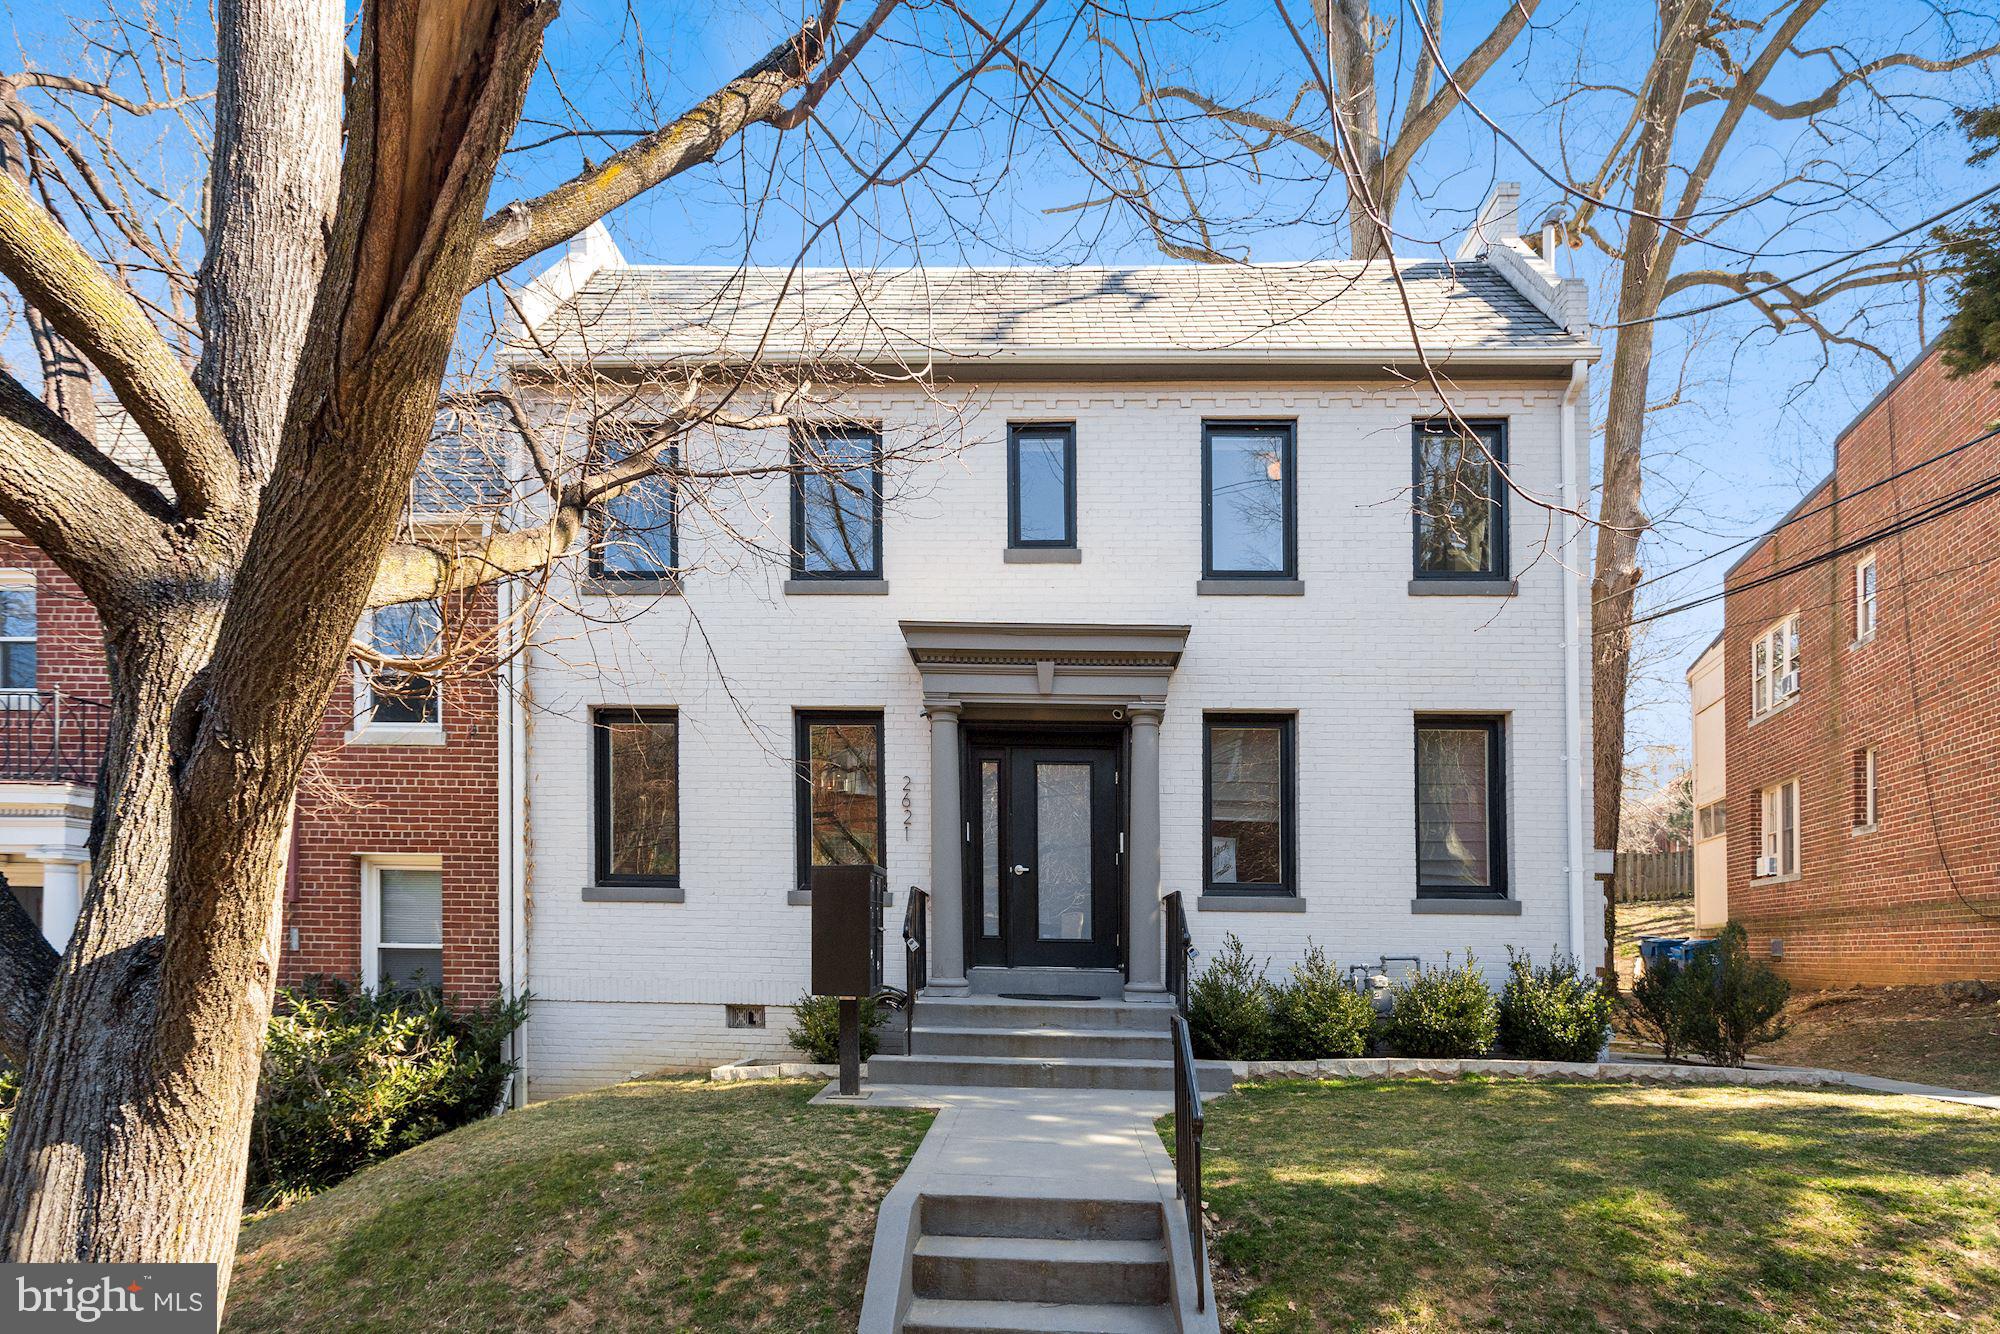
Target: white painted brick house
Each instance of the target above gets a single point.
(1212, 678)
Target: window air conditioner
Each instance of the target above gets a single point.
(1788, 685)
(1767, 866)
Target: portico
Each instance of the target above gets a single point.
(1045, 828)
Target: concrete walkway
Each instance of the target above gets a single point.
(1028, 1145)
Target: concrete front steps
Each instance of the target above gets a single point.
(1034, 1265)
(999, 1042)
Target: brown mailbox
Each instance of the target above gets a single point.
(847, 930)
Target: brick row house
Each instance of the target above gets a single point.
(395, 872)
(1860, 746)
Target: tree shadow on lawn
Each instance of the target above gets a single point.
(656, 1204)
(1496, 1204)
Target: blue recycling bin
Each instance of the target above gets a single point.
(1652, 949)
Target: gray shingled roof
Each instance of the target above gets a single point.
(1258, 312)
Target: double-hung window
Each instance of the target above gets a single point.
(836, 503)
(1249, 520)
(1864, 599)
(636, 758)
(1461, 808)
(1866, 807)
(635, 535)
(397, 697)
(402, 926)
(1774, 667)
(1778, 843)
(1249, 797)
(839, 791)
(17, 630)
(1041, 485)
(1460, 500)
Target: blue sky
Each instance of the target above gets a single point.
(1757, 412)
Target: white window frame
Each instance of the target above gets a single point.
(1869, 811)
(363, 730)
(1773, 656)
(1771, 840)
(15, 697)
(1865, 585)
(372, 866)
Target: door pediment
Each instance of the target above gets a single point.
(1030, 665)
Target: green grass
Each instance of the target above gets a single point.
(1488, 1204)
(666, 1204)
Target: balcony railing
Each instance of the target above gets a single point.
(47, 736)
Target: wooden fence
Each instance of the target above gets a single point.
(1650, 877)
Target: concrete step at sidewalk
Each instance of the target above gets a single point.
(1040, 1269)
(931, 1315)
(1040, 1072)
(1090, 1043)
(1039, 1216)
(1002, 1012)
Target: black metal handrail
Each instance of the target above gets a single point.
(1180, 948)
(1187, 1155)
(916, 961)
(47, 736)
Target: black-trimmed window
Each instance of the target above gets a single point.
(836, 502)
(1041, 484)
(636, 763)
(1461, 807)
(1248, 802)
(636, 533)
(1249, 523)
(1459, 499)
(839, 790)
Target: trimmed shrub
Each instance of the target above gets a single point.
(816, 1028)
(352, 1075)
(1442, 1012)
(1739, 1001)
(1230, 1013)
(1662, 1005)
(1552, 1013)
(1317, 1015)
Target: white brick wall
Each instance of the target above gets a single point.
(623, 987)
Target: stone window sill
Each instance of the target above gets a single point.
(1249, 903)
(1774, 879)
(1861, 829)
(395, 736)
(664, 585)
(1043, 556)
(1425, 905)
(634, 894)
(854, 588)
(1772, 712)
(1250, 588)
(1464, 588)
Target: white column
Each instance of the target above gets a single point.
(947, 937)
(62, 899)
(1145, 979)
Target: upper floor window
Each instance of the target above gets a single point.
(1778, 840)
(1249, 795)
(836, 503)
(1460, 500)
(636, 758)
(1249, 529)
(1461, 808)
(636, 533)
(1712, 820)
(1774, 667)
(17, 630)
(1864, 598)
(1866, 808)
(1041, 486)
(840, 791)
(387, 696)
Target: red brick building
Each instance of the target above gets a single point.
(396, 867)
(1863, 705)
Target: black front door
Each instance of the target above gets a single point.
(1043, 866)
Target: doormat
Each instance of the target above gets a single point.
(1043, 996)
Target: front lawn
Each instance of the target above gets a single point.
(663, 1204)
(1412, 1204)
